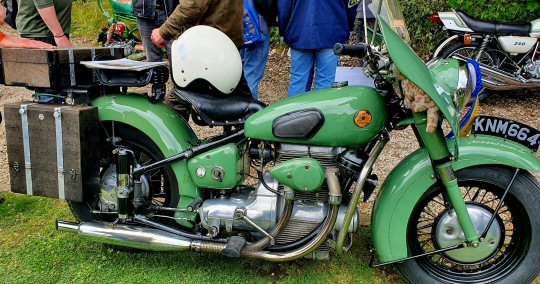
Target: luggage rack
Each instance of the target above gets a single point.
(59, 75)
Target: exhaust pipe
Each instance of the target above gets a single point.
(499, 80)
(127, 235)
(146, 238)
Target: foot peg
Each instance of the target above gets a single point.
(234, 246)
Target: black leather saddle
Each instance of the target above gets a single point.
(495, 27)
(219, 111)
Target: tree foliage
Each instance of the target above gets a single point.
(426, 36)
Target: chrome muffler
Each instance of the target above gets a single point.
(499, 80)
(128, 236)
(146, 238)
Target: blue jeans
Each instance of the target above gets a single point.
(153, 53)
(254, 59)
(303, 62)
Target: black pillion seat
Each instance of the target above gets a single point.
(219, 110)
(497, 28)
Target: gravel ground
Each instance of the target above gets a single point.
(520, 106)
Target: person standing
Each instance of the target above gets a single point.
(47, 21)
(224, 15)
(151, 14)
(16, 42)
(254, 54)
(8, 13)
(359, 29)
(311, 28)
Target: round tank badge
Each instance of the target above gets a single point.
(363, 118)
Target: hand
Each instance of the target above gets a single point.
(157, 39)
(62, 41)
(18, 42)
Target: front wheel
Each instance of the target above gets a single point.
(509, 254)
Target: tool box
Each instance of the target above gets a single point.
(52, 149)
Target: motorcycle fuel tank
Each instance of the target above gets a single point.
(349, 116)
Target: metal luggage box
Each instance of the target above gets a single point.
(51, 68)
(52, 149)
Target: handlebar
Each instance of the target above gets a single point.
(360, 50)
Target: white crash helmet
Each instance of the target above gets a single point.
(206, 53)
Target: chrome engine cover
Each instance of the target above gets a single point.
(260, 205)
(264, 207)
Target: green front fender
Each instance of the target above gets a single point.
(163, 126)
(412, 178)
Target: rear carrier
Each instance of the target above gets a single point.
(52, 149)
(51, 69)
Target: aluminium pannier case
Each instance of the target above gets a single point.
(51, 68)
(52, 149)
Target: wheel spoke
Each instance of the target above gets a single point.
(475, 197)
(433, 210)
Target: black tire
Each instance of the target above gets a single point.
(517, 257)
(163, 183)
(489, 57)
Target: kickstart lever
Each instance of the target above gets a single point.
(240, 214)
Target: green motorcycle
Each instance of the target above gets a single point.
(283, 182)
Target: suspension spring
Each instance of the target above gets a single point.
(483, 47)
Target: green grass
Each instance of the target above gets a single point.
(88, 20)
(31, 251)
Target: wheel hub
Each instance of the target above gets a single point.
(108, 198)
(448, 233)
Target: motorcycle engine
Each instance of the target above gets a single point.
(533, 68)
(264, 207)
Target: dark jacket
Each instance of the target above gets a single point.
(269, 10)
(315, 24)
(224, 15)
(147, 8)
(11, 13)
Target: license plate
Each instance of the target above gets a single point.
(508, 129)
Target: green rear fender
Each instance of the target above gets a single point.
(412, 178)
(161, 124)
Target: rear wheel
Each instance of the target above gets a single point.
(488, 57)
(160, 186)
(509, 254)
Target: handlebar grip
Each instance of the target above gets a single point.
(359, 51)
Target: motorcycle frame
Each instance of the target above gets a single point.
(433, 155)
(174, 136)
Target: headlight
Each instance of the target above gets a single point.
(464, 89)
(469, 83)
